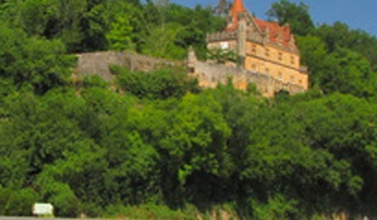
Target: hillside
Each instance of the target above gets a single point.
(155, 145)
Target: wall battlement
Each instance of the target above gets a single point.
(219, 36)
(209, 74)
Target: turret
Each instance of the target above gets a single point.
(237, 8)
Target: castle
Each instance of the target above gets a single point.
(261, 46)
(267, 53)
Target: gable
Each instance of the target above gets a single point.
(276, 34)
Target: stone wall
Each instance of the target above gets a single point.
(208, 74)
(138, 62)
(98, 63)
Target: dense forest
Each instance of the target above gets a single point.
(155, 144)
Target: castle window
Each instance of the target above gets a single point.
(267, 52)
(253, 48)
(280, 56)
(267, 70)
(292, 60)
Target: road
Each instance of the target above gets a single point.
(36, 218)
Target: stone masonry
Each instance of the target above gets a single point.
(99, 63)
(208, 74)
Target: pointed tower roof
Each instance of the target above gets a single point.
(237, 8)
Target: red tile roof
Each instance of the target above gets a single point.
(277, 34)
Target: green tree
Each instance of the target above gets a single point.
(296, 15)
(340, 35)
(347, 71)
(195, 146)
(161, 42)
(312, 51)
(125, 25)
(52, 151)
(343, 129)
(119, 36)
(337, 35)
(158, 84)
(132, 174)
(31, 62)
(17, 202)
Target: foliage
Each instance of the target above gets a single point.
(17, 202)
(159, 84)
(161, 42)
(94, 81)
(221, 56)
(155, 145)
(119, 37)
(117, 25)
(32, 62)
(147, 211)
(296, 15)
(296, 157)
(276, 208)
(313, 51)
(340, 35)
(348, 72)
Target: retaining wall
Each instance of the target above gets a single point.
(98, 63)
(209, 74)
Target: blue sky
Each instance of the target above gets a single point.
(357, 14)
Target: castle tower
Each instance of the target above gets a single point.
(234, 12)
